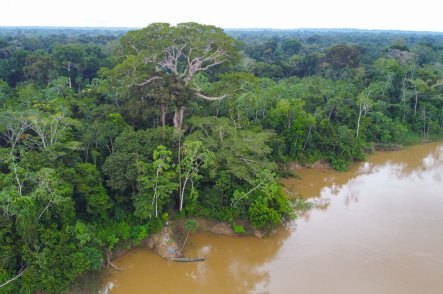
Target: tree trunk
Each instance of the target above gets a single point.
(358, 121)
(69, 76)
(182, 193)
(331, 112)
(164, 109)
(403, 99)
(178, 117)
(427, 131)
(108, 260)
(179, 166)
(184, 243)
(307, 138)
(156, 207)
(415, 104)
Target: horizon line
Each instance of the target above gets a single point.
(224, 28)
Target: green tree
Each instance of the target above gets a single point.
(157, 181)
(89, 193)
(293, 123)
(291, 46)
(40, 68)
(265, 202)
(195, 156)
(364, 104)
(5, 92)
(180, 52)
(342, 55)
(190, 227)
(69, 58)
(240, 152)
(129, 147)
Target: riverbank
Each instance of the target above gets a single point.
(399, 192)
(370, 149)
(169, 242)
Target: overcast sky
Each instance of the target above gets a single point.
(368, 14)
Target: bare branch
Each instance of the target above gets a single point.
(132, 74)
(258, 186)
(198, 63)
(47, 129)
(20, 183)
(14, 134)
(22, 271)
(172, 57)
(210, 98)
(46, 208)
(131, 44)
(151, 59)
(34, 143)
(150, 80)
(211, 65)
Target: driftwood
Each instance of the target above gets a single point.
(114, 267)
(189, 259)
(108, 259)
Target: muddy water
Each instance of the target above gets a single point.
(376, 229)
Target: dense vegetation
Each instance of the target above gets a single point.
(107, 134)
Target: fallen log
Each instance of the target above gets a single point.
(189, 259)
(114, 267)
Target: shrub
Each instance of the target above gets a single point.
(238, 229)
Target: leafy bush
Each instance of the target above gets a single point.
(262, 216)
(238, 229)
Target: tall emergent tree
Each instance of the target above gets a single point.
(176, 54)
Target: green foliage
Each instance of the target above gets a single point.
(138, 233)
(195, 156)
(156, 183)
(89, 192)
(300, 204)
(90, 163)
(265, 203)
(163, 63)
(261, 216)
(130, 146)
(191, 225)
(57, 264)
(240, 153)
(5, 92)
(269, 205)
(291, 46)
(341, 55)
(294, 124)
(238, 229)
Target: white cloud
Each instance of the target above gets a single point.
(374, 14)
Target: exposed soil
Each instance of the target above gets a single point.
(317, 164)
(168, 242)
(164, 243)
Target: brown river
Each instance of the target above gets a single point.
(375, 229)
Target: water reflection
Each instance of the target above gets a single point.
(374, 229)
(380, 231)
(231, 266)
(401, 164)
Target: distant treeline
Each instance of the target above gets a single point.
(105, 134)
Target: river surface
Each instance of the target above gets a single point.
(375, 229)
